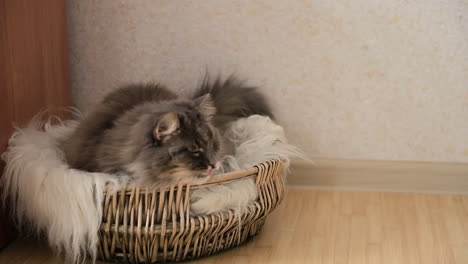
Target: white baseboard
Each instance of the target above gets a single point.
(400, 176)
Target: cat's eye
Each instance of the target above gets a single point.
(195, 153)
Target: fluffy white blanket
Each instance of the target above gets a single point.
(66, 204)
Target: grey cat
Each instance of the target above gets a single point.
(158, 138)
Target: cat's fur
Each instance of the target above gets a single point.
(233, 100)
(149, 133)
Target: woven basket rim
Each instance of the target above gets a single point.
(221, 179)
(237, 175)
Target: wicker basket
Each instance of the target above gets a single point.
(149, 226)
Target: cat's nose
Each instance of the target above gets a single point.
(213, 167)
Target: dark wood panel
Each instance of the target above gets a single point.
(34, 73)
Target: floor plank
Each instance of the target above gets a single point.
(314, 226)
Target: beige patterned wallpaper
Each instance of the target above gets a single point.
(362, 79)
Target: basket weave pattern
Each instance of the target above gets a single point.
(149, 226)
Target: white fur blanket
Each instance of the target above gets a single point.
(66, 204)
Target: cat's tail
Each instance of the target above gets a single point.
(233, 100)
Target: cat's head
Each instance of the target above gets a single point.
(180, 144)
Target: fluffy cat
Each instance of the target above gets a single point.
(156, 137)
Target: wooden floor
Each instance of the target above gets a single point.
(337, 227)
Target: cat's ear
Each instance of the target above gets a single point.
(206, 106)
(168, 124)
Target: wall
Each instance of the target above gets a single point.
(362, 79)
